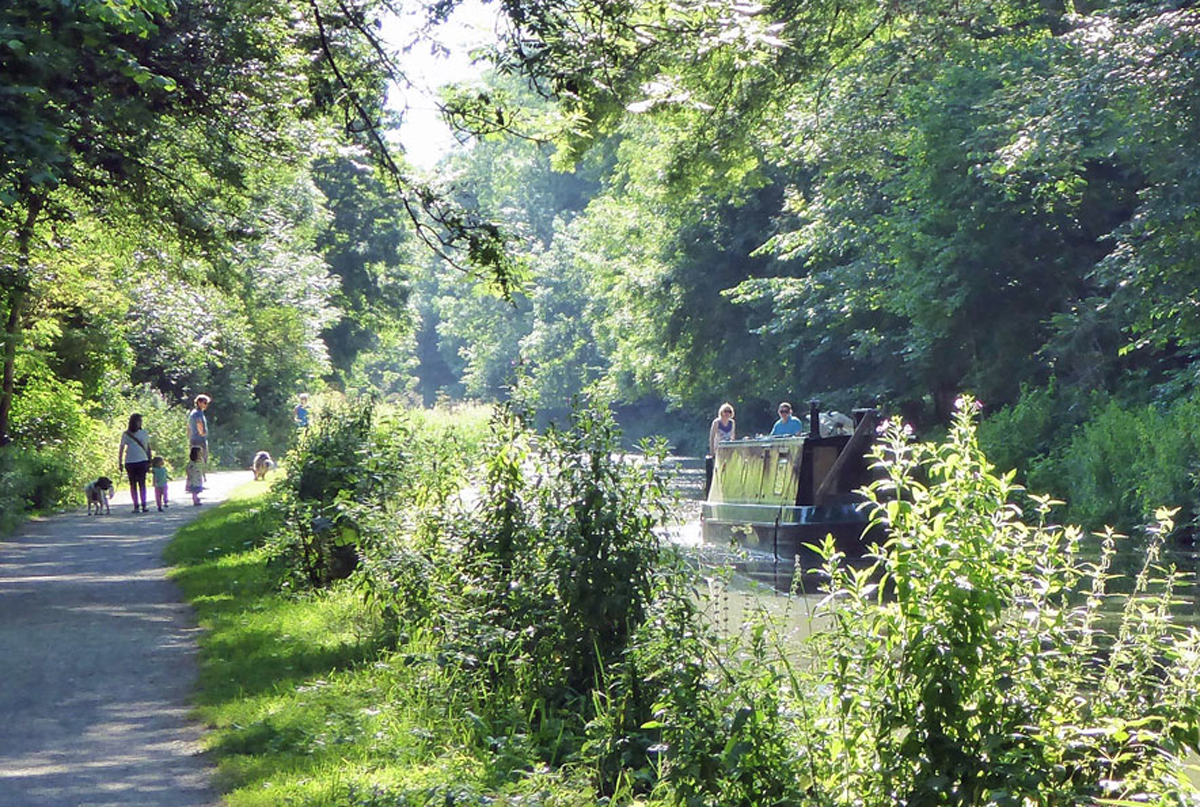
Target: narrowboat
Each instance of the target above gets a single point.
(776, 494)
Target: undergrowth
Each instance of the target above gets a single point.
(527, 640)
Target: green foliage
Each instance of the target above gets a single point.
(354, 474)
(29, 480)
(468, 426)
(1113, 462)
(341, 468)
(1126, 461)
(537, 586)
(983, 632)
(250, 339)
(62, 443)
(541, 647)
(158, 221)
(563, 557)
(363, 244)
(722, 712)
(982, 659)
(826, 202)
(1026, 430)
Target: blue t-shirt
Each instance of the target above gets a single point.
(786, 429)
(195, 418)
(301, 417)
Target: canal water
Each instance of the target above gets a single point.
(743, 584)
(758, 572)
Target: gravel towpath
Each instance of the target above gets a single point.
(98, 662)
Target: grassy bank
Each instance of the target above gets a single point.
(309, 707)
(540, 647)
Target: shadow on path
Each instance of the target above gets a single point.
(98, 661)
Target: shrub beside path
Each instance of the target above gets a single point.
(98, 661)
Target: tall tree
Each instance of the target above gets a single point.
(141, 105)
(365, 244)
(958, 179)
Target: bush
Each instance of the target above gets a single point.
(1020, 434)
(341, 469)
(975, 663)
(534, 588)
(1126, 461)
(542, 630)
(1113, 461)
(28, 481)
(60, 444)
(559, 554)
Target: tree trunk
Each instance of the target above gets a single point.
(16, 305)
(1055, 13)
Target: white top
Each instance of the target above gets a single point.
(133, 451)
(716, 435)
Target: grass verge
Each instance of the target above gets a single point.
(308, 706)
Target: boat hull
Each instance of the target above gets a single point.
(786, 532)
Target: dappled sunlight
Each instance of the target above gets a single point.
(131, 752)
(97, 663)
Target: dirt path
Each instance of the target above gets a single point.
(98, 661)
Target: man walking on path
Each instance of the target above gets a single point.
(97, 663)
(198, 427)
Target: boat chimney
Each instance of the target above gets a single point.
(814, 418)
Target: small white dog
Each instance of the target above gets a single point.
(262, 464)
(98, 493)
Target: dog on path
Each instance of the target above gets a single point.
(262, 464)
(98, 493)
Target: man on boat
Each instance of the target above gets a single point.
(786, 426)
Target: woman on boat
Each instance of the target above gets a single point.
(722, 429)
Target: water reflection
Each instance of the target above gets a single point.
(764, 567)
(769, 566)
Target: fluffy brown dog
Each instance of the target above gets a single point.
(262, 464)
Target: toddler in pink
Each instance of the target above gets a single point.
(195, 474)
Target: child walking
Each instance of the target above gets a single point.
(158, 467)
(195, 474)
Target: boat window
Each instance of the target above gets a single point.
(781, 472)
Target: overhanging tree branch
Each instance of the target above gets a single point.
(454, 228)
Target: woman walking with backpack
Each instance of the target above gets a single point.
(134, 456)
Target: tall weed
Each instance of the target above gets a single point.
(342, 468)
(559, 555)
(356, 480)
(533, 582)
(1112, 461)
(981, 660)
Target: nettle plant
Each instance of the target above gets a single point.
(339, 476)
(984, 660)
(558, 559)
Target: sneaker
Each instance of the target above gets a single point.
(160, 508)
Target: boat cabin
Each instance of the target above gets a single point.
(782, 492)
